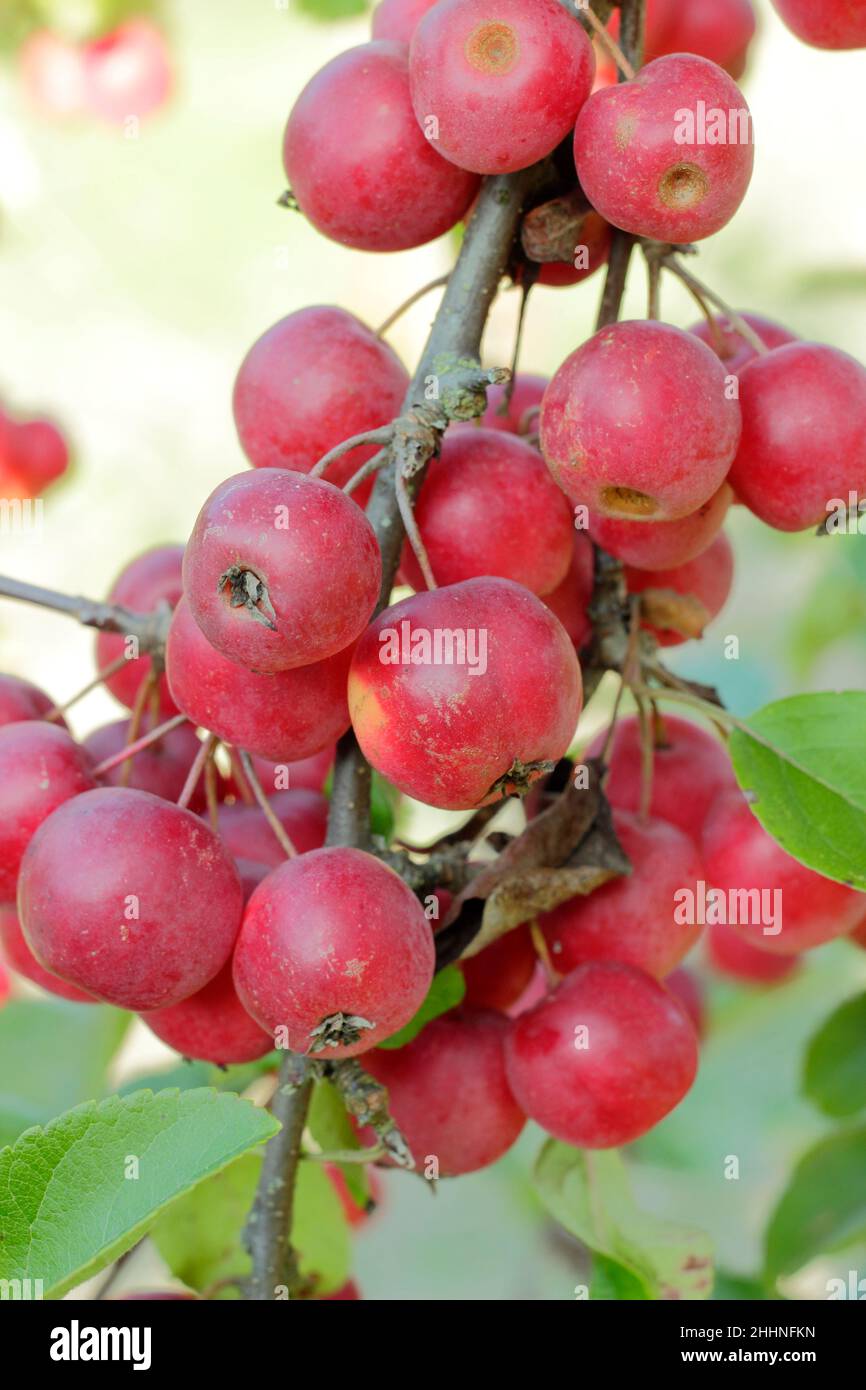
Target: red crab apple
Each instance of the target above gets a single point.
(602, 1059)
(20, 700)
(570, 600)
(663, 545)
(211, 1025)
(335, 949)
(690, 769)
(41, 766)
(462, 695)
(347, 1293)
(309, 773)
(832, 24)
(245, 831)
(161, 768)
(21, 959)
(448, 1093)
(496, 84)
(283, 717)
(127, 72)
(669, 154)
(147, 581)
(358, 162)
(398, 19)
(685, 986)
(803, 446)
(313, 380)
(729, 344)
(35, 451)
(281, 570)
(790, 907)
(498, 975)
(730, 954)
(721, 30)
(632, 919)
(707, 579)
(488, 506)
(130, 898)
(637, 423)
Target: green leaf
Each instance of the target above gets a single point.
(834, 1075)
(733, 1288)
(319, 1230)
(59, 1052)
(590, 1195)
(199, 1236)
(802, 760)
(69, 1203)
(611, 1282)
(824, 1206)
(383, 802)
(331, 1128)
(446, 991)
(332, 9)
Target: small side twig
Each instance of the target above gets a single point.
(265, 806)
(103, 674)
(383, 435)
(140, 744)
(367, 1102)
(413, 535)
(702, 293)
(148, 628)
(199, 762)
(398, 313)
(371, 466)
(609, 43)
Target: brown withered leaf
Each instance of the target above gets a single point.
(682, 613)
(569, 848)
(552, 231)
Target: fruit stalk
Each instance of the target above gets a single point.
(632, 16)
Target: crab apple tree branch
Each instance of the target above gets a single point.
(449, 366)
(452, 350)
(149, 629)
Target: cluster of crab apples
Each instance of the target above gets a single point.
(123, 880)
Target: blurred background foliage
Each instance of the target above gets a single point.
(135, 271)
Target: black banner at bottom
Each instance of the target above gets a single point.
(73, 1337)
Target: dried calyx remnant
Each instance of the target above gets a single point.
(338, 1030)
(244, 589)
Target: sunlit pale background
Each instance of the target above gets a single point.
(135, 273)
